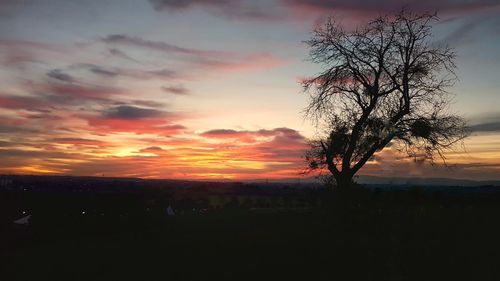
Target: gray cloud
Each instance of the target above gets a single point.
(103, 71)
(486, 122)
(184, 4)
(176, 90)
(151, 149)
(163, 73)
(278, 133)
(219, 132)
(148, 103)
(486, 127)
(132, 112)
(18, 153)
(121, 54)
(60, 75)
(487, 22)
(123, 39)
(109, 72)
(232, 9)
(7, 129)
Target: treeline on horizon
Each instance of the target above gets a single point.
(77, 197)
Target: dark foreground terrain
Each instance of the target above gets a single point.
(368, 235)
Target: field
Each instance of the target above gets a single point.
(369, 235)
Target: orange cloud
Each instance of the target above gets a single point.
(273, 153)
(80, 141)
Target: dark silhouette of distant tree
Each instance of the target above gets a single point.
(383, 83)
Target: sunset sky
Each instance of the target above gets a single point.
(207, 89)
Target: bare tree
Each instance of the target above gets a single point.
(383, 83)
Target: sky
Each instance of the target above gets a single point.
(208, 89)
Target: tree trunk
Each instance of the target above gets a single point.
(344, 181)
(342, 194)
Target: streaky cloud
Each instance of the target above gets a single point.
(184, 4)
(230, 9)
(116, 72)
(121, 54)
(123, 39)
(78, 141)
(132, 112)
(486, 127)
(58, 74)
(176, 90)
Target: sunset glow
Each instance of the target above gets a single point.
(206, 89)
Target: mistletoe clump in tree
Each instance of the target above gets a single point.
(385, 82)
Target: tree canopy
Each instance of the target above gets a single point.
(383, 83)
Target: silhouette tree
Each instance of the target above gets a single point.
(383, 83)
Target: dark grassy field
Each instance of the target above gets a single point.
(367, 236)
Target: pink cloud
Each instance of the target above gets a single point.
(376, 7)
(22, 102)
(81, 91)
(16, 52)
(208, 60)
(250, 63)
(157, 126)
